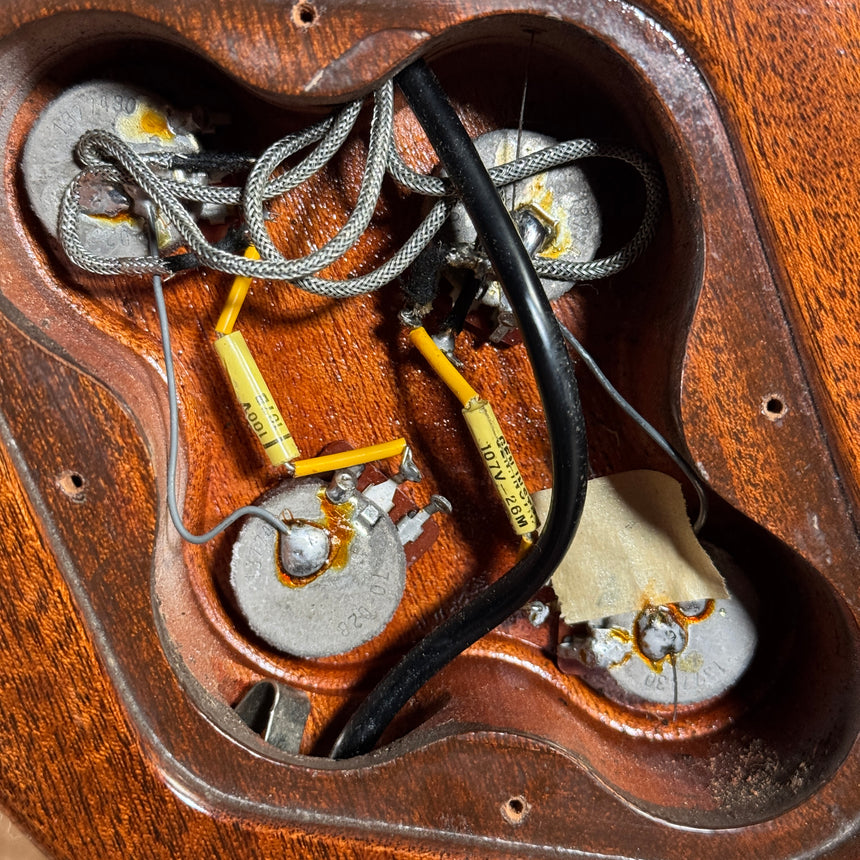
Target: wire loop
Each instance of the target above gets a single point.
(107, 156)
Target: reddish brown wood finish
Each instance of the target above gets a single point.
(102, 714)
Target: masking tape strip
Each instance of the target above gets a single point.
(634, 547)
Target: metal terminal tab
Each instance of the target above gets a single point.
(410, 527)
(341, 488)
(382, 494)
(277, 713)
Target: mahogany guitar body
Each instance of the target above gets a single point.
(735, 334)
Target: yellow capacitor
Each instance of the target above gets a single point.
(256, 400)
(500, 463)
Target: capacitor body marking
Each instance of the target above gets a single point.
(487, 435)
(258, 405)
(499, 461)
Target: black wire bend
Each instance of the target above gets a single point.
(559, 395)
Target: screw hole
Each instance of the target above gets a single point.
(304, 14)
(773, 407)
(72, 484)
(515, 810)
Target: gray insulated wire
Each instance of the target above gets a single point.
(645, 426)
(173, 424)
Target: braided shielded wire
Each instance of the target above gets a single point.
(105, 155)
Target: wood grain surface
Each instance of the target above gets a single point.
(121, 650)
(789, 113)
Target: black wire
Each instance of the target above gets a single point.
(235, 241)
(422, 284)
(565, 424)
(469, 284)
(212, 162)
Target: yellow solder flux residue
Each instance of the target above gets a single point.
(534, 193)
(687, 662)
(144, 123)
(119, 218)
(541, 199)
(154, 123)
(336, 524)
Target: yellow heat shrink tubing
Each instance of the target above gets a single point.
(260, 409)
(352, 457)
(236, 298)
(500, 463)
